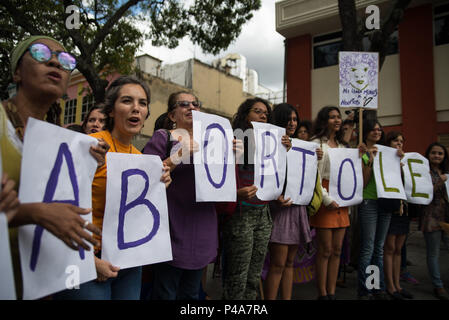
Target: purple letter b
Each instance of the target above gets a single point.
(124, 208)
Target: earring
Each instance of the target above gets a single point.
(174, 125)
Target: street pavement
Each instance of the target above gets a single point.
(416, 254)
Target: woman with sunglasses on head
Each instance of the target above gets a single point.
(290, 222)
(41, 70)
(435, 214)
(126, 108)
(193, 225)
(331, 220)
(94, 120)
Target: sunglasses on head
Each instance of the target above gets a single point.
(186, 104)
(42, 53)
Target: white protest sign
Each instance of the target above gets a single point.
(214, 162)
(7, 287)
(346, 177)
(302, 164)
(56, 167)
(270, 160)
(135, 224)
(387, 173)
(417, 179)
(359, 72)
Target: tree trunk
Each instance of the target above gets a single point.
(352, 38)
(97, 84)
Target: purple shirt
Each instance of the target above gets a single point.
(193, 225)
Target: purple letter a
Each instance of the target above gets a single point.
(49, 194)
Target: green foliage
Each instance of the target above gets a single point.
(111, 31)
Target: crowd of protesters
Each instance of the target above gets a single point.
(240, 235)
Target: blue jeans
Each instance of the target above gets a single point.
(172, 283)
(374, 226)
(126, 286)
(433, 240)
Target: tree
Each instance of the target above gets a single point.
(354, 28)
(111, 31)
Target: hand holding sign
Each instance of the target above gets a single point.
(98, 151)
(417, 179)
(105, 270)
(214, 164)
(270, 160)
(55, 185)
(246, 193)
(65, 221)
(388, 177)
(135, 225)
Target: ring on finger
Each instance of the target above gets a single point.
(86, 223)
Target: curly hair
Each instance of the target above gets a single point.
(239, 120)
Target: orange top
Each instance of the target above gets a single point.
(99, 183)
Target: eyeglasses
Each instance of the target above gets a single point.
(41, 53)
(258, 111)
(186, 104)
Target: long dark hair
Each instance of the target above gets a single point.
(239, 120)
(444, 165)
(320, 126)
(282, 114)
(112, 94)
(368, 126)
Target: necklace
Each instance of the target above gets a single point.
(115, 147)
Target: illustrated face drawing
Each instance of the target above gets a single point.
(359, 76)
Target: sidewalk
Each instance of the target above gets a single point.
(416, 253)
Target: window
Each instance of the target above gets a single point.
(326, 48)
(326, 55)
(70, 111)
(88, 102)
(441, 25)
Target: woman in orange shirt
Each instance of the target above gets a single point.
(126, 108)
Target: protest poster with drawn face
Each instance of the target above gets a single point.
(358, 81)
